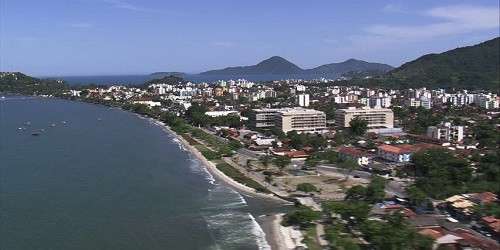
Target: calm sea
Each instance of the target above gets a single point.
(102, 178)
(137, 79)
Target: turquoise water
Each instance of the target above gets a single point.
(105, 178)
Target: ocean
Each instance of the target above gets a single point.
(99, 177)
(195, 78)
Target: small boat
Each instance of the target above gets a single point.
(22, 128)
(27, 123)
(35, 133)
(53, 125)
(63, 122)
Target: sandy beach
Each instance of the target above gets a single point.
(277, 236)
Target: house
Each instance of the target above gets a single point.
(493, 224)
(401, 153)
(460, 205)
(349, 153)
(395, 154)
(483, 198)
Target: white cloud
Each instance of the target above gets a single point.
(127, 6)
(81, 25)
(453, 20)
(396, 7)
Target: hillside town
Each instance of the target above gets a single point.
(358, 155)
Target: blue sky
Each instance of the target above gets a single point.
(99, 37)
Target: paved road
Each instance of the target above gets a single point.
(248, 153)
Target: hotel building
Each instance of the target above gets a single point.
(288, 119)
(376, 117)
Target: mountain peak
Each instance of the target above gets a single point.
(274, 65)
(277, 65)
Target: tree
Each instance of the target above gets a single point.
(248, 164)
(282, 162)
(375, 191)
(265, 160)
(358, 126)
(416, 195)
(307, 187)
(348, 167)
(302, 216)
(246, 113)
(357, 192)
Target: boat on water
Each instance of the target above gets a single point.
(22, 128)
(52, 125)
(35, 133)
(27, 123)
(63, 122)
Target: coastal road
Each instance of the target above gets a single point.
(248, 153)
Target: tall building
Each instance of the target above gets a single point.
(262, 118)
(376, 117)
(300, 119)
(303, 100)
(445, 131)
(288, 119)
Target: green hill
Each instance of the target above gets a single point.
(19, 83)
(474, 68)
(279, 66)
(349, 66)
(273, 66)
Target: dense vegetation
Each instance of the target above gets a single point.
(440, 168)
(303, 216)
(18, 83)
(394, 233)
(473, 68)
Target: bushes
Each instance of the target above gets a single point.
(236, 175)
(307, 187)
(302, 216)
(211, 155)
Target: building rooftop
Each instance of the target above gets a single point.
(353, 152)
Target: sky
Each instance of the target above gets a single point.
(113, 37)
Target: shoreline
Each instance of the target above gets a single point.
(270, 223)
(216, 173)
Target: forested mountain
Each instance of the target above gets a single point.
(19, 83)
(349, 66)
(279, 66)
(474, 68)
(273, 66)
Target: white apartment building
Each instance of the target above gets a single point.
(412, 102)
(288, 119)
(383, 102)
(301, 120)
(445, 131)
(425, 102)
(303, 100)
(376, 117)
(487, 101)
